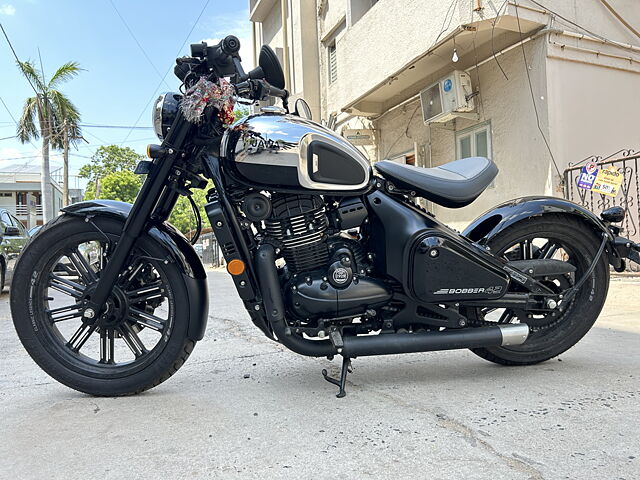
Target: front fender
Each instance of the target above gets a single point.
(490, 223)
(178, 249)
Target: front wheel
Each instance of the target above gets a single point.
(137, 341)
(557, 237)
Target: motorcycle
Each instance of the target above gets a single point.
(328, 256)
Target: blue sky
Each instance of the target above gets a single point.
(119, 80)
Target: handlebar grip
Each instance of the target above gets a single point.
(275, 91)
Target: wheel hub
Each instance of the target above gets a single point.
(114, 311)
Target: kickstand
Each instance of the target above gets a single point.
(346, 368)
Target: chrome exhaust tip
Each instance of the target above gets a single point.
(514, 334)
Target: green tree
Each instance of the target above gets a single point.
(182, 215)
(122, 186)
(44, 115)
(106, 161)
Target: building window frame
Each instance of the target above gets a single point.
(471, 133)
(332, 62)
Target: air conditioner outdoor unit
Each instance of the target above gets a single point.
(448, 98)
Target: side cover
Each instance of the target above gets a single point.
(178, 248)
(432, 262)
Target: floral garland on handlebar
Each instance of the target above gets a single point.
(219, 94)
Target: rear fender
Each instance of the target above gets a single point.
(178, 249)
(484, 228)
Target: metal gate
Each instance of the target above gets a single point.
(209, 251)
(626, 162)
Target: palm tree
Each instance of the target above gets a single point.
(47, 115)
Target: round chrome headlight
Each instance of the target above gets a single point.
(164, 113)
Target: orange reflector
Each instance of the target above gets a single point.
(149, 151)
(235, 267)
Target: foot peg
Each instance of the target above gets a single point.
(346, 368)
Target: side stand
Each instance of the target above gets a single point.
(346, 368)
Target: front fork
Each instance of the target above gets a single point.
(154, 193)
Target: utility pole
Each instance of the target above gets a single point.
(65, 170)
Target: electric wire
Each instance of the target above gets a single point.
(155, 92)
(89, 125)
(571, 22)
(135, 39)
(406, 131)
(17, 59)
(14, 119)
(620, 18)
(533, 97)
(493, 29)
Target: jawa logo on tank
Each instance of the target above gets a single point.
(475, 290)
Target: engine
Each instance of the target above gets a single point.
(326, 274)
(299, 224)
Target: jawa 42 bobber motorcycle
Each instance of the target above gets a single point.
(329, 256)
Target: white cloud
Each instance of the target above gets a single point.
(7, 9)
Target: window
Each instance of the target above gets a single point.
(474, 142)
(332, 62)
(4, 217)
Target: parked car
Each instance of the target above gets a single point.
(14, 237)
(34, 230)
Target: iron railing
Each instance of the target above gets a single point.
(626, 162)
(209, 251)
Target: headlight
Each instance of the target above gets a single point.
(164, 113)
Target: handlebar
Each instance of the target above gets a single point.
(222, 60)
(259, 89)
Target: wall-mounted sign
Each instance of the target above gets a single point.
(359, 137)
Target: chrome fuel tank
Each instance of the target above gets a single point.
(274, 150)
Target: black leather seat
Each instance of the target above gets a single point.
(453, 185)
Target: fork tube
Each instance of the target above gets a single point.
(140, 213)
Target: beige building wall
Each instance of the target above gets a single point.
(517, 146)
(585, 89)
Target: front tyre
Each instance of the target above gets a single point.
(559, 237)
(136, 342)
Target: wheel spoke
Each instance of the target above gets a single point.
(107, 346)
(132, 340)
(82, 266)
(66, 286)
(146, 319)
(149, 292)
(81, 336)
(64, 313)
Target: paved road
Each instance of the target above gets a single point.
(435, 415)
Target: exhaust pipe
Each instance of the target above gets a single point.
(390, 344)
(384, 344)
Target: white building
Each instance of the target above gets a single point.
(552, 81)
(17, 181)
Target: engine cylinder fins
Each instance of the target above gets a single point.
(299, 223)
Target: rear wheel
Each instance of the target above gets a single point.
(556, 237)
(137, 341)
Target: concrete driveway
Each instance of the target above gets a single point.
(243, 407)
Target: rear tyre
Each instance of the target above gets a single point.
(135, 343)
(550, 236)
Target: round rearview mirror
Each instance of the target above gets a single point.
(302, 109)
(271, 67)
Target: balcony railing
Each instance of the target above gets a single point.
(22, 210)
